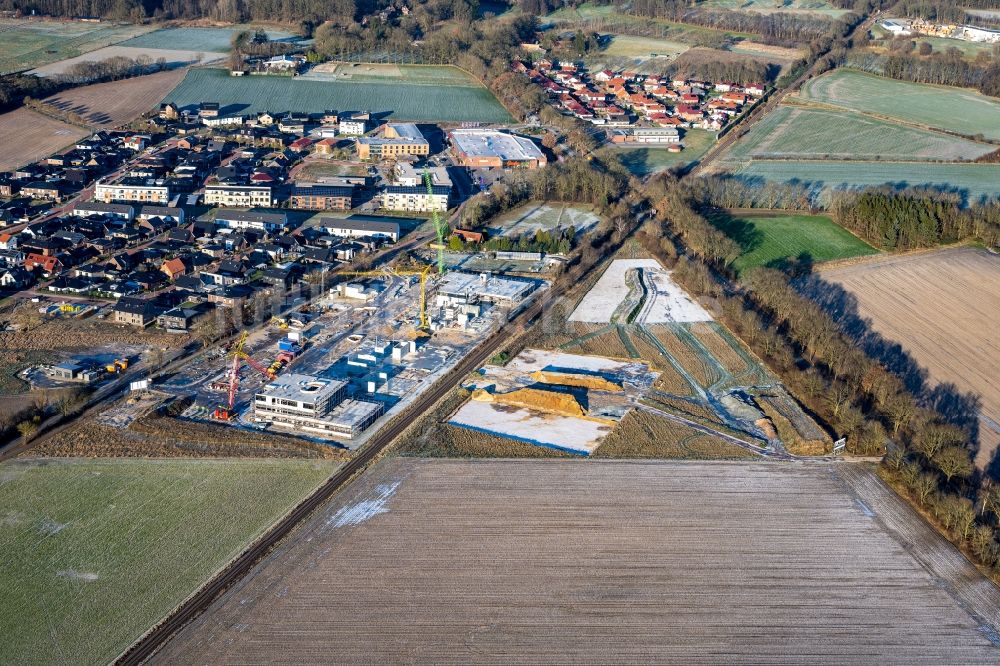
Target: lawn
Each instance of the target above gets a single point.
(403, 101)
(96, 551)
(819, 7)
(791, 132)
(974, 181)
(954, 109)
(30, 43)
(642, 161)
(769, 240)
(199, 39)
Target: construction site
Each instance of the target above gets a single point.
(366, 347)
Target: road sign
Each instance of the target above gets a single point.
(839, 446)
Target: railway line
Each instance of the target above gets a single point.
(146, 646)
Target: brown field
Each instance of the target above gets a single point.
(27, 136)
(607, 344)
(944, 309)
(597, 562)
(77, 334)
(689, 358)
(669, 380)
(642, 434)
(719, 348)
(164, 437)
(105, 105)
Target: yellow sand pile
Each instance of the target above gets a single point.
(545, 401)
(572, 379)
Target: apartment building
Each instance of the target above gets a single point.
(241, 196)
(397, 139)
(153, 191)
(321, 196)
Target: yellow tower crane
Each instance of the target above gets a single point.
(389, 272)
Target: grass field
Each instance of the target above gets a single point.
(27, 136)
(943, 307)
(972, 180)
(538, 215)
(173, 58)
(645, 160)
(278, 93)
(645, 54)
(769, 240)
(95, 552)
(805, 133)
(105, 105)
(29, 43)
(642, 434)
(430, 75)
(953, 109)
(599, 562)
(197, 39)
(819, 7)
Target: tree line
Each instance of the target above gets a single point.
(779, 28)
(948, 68)
(915, 218)
(927, 439)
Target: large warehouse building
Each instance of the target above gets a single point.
(494, 149)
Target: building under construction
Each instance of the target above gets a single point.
(310, 404)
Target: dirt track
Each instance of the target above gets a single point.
(943, 307)
(605, 562)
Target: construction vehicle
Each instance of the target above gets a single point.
(389, 272)
(280, 322)
(226, 413)
(119, 365)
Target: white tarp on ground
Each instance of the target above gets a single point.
(668, 303)
(568, 433)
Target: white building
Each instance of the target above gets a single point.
(360, 228)
(246, 219)
(305, 403)
(242, 196)
(352, 127)
(154, 192)
(897, 27)
(416, 198)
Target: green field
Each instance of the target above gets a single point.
(29, 43)
(429, 75)
(403, 101)
(954, 109)
(95, 552)
(642, 161)
(972, 180)
(769, 240)
(215, 40)
(791, 132)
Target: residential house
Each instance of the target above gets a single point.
(138, 312)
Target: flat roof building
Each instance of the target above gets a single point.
(321, 196)
(494, 149)
(396, 139)
(316, 405)
(248, 219)
(360, 228)
(458, 288)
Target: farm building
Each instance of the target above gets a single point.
(494, 149)
(396, 139)
(648, 135)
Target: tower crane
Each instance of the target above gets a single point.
(226, 413)
(388, 272)
(440, 226)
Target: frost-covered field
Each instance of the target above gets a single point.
(665, 302)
